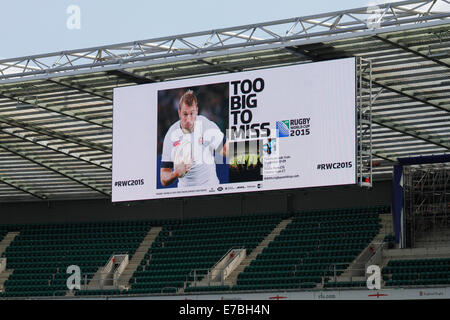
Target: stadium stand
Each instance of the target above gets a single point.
(302, 256)
(310, 248)
(197, 244)
(417, 272)
(40, 254)
(3, 233)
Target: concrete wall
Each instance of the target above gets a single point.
(226, 205)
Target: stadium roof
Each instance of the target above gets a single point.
(56, 108)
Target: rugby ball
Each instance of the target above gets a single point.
(182, 153)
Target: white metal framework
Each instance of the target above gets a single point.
(364, 122)
(56, 108)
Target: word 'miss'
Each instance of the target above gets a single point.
(242, 103)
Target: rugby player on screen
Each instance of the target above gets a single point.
(189, 147)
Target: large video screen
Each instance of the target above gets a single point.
(269, 129)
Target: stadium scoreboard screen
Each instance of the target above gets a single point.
(269, 129)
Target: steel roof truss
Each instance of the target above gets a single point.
(74, 176)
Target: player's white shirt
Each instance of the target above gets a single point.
(205, 138)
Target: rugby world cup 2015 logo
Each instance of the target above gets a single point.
(283, 128)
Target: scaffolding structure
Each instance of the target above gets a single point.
(426, 203)
(364, 101)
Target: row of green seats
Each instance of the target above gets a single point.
(52, 269)
(162, 277)
(159, 272)
(190, 251)
(409, 268)
(365, 227)
(279, 280)
(97, 292)
(280, 242)
(80, 240)
(82, 232)
(29, 287)
(204, 245)
(256, 287)
(334, 234)
(330, 259)
(246, 242)
(61, 253)
(45, 293)
(58, 248)
(248, 274)
(31, 276)
(180, 267)
(207, 289)
(157, 284)
(23, 282)
(422, 275)
(164, 258)
(49, 258)
(183, 259)
(221, 235)
(223, 227)
(303, 252)
(346, 284)
(292, 247)
(335, 219)
(226, 232)
(136, 291)
(420, 262)
(419, 282)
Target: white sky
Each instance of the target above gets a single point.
(35, 27)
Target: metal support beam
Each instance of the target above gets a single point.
(375, 81)
(23, 136)
(223, 68)
(81, 88)
(415, 52)
(411, 96)
(388, 123)
(384, 155)
(74, 176)
(395, 126)
(130, 76)
(55, 134)
(58, 110)
(24, 189)
(279, 33)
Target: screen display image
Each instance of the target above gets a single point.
(269, 129)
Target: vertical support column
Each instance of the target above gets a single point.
(364, 122)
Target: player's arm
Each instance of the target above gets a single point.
(168, 176)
